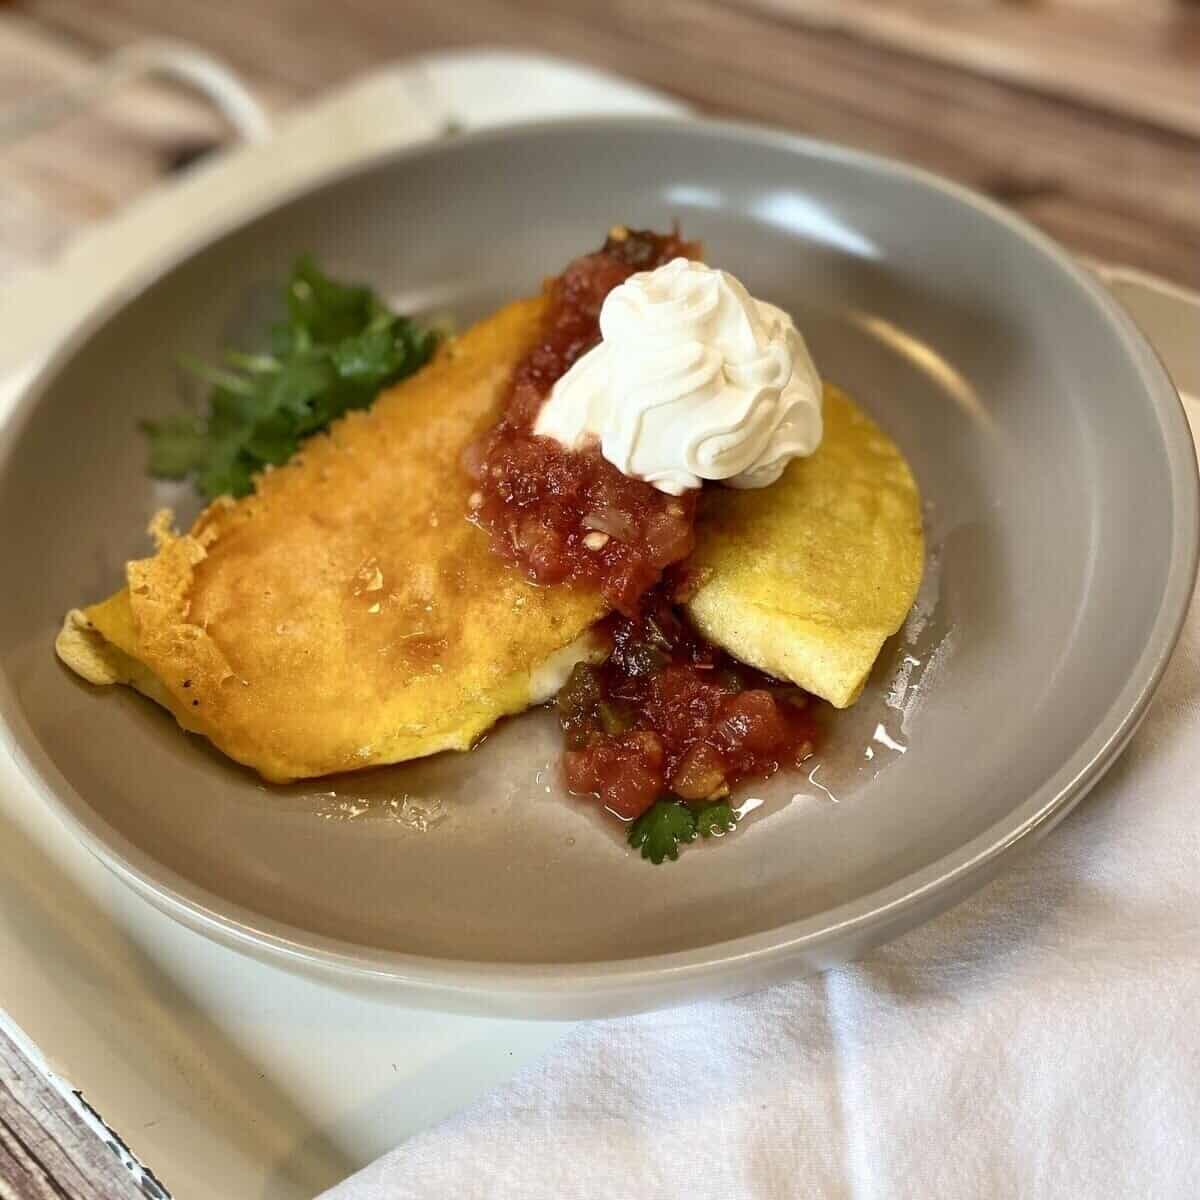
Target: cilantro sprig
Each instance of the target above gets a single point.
(661, 828)
(339, 345)
(669, 824)
(715, 819)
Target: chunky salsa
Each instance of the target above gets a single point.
(567, 516)
(670, 712)
(669, 720)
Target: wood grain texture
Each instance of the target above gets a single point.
(1133, 59)
(1084, 115)
(47, 1152)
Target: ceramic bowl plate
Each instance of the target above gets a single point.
(1061, 497)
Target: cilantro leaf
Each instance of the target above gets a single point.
(715, 819)
(339, 346)
(326, 310)
(660, 829)
(370, 355)
(176, 446)
(274, 439)
(294, 391)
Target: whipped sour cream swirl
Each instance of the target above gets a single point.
(694, 379)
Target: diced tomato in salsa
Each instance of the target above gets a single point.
(667, 712)
(539, 501)
(624, 770)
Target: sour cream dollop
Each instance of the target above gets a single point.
(693, 379)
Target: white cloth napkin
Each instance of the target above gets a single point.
(1041, 1040)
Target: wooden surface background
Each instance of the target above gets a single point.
(47, 1151)
(1082, 114)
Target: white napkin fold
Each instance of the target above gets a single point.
(1041, 1040)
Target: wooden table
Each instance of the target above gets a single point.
(1082, 114)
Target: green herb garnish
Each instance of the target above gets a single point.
(715, 819)
(339, 346)
(660, 829)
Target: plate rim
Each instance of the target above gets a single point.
(454, 982)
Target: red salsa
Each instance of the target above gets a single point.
(567, 516)
(668, 714)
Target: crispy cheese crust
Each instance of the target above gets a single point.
(347, 614)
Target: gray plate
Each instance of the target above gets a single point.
(1062, 509)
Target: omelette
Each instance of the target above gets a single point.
(347, 615)
(806, 579)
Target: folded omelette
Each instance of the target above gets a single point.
(347, 615)
(806, 579)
